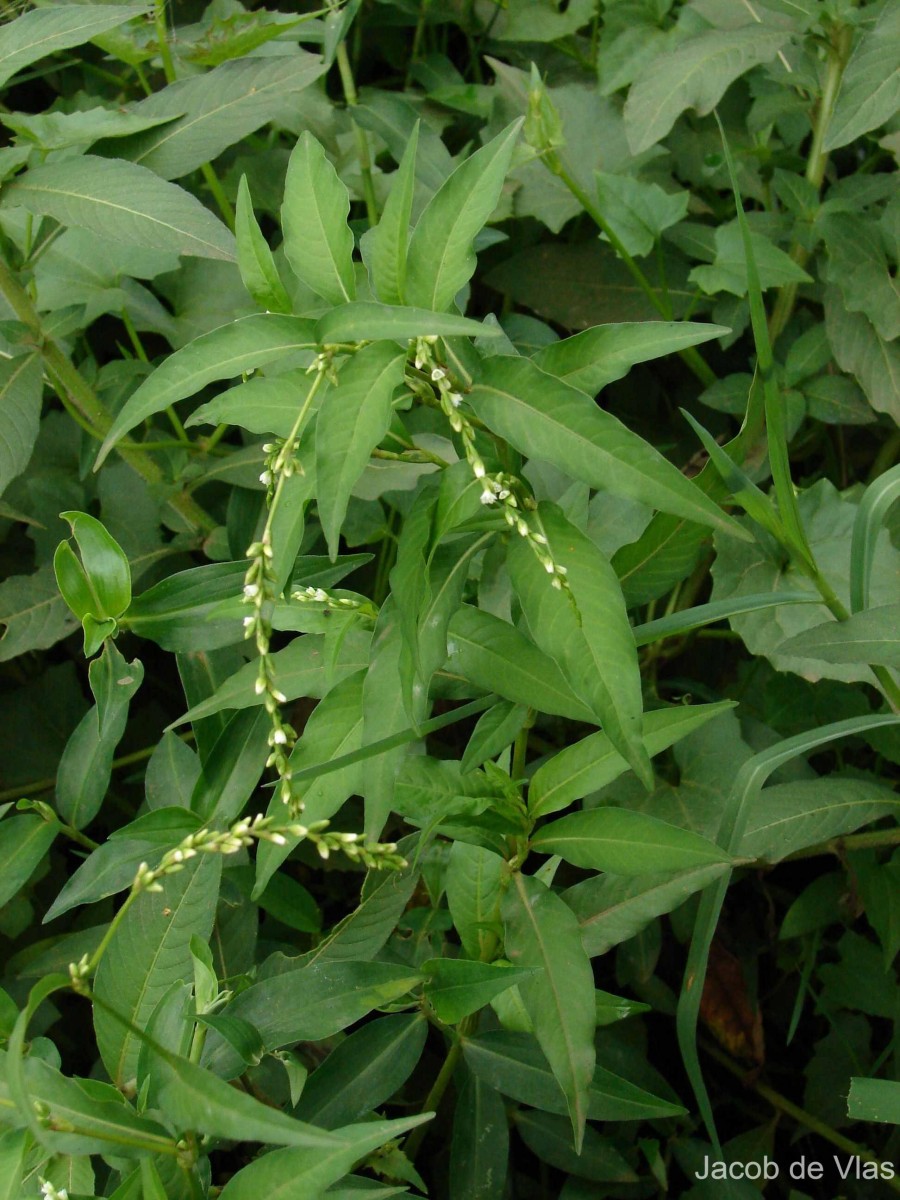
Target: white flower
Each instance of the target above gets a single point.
(279, 737)
(455, 399)
(549, 567)
(478, 469)
(488, 497)
(259, 687)
(266, 478)
(251, 591)
(438, 374)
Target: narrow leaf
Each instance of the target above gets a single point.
(317, 239)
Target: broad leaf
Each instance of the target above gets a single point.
(441, 258)
(317, 239)
(547, 419)
(239, 347)
(36, 34)
(870, 86)
(625, 843)
(540, 931)
(870, 636)
(121, 201)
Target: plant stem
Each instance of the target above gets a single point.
(854, 841)
(162, 38)
(800, 1115)
(434, 1097)
(520, 749)
(83, 400)
(690, 356)
(362, 140)
(218, 194)
(817, 162)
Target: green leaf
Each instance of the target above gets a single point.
(638, 212)
(107, 574)
(21, 389)
(739, 569)
(874, 1100)
(317, 240)
(301, 669)
(363, 1071)
(585, 629)
(172, 773)
(24, 840)
(860, 350)
(493, 732)
(788, 817)
(148, 952)
(877, 501)
(335, 727)
(372, 322)
(729, 271)
(612, 909)
(455, 987)
(278, 1175)
(43, 31)
(479, 1151)
(309, 1004)
(255, 260)
(232, 771)
(858, 264)
(870, 636)
(693, 75)
(870, 86)
(123, 202)
(441, 259)
(33, 612)
(547, 419)
(113, 865)
(513, 1064)
(550, 1139)
(89, 1117)
(493, 654)
(352, 420)
(472, 883)
(540, 931)
(264, 405)
(592, 763)
(592, 359)
(384, 248)
(625, 843)
(717, 610)
(86, 765)
(239, 347)
(215, 109)
(13, 1148)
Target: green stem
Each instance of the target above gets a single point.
(433, 1099)
(135, 338)
(816, 164)
(889, 686)
(520, 749)
(690, 356)
(94, 960)
(362, 140)
(800, 1115)
(218, 194)
(854, 841)
(162, 37)
(82, 399)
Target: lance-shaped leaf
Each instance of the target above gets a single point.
(255, 260)
(456, 987)
(441, 258)
(123, 202)
(215, 109)
(317, 238)
(545, 418)
(365, 321)
(592, 359)
(353, 419)
(384, 247)
(479, 1151)
(585, 628)
(870, 87)
(233, 349)
(592, 763)
(625, 843)
(542, 932)
(24, 840)
(21, 386)
(56, 27)
(870, 636)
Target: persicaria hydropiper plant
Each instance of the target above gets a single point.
(448, 468)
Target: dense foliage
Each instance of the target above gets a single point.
(450, 618)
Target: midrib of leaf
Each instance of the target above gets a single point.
(629, 901)
(558, 1002)
(810, 814)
